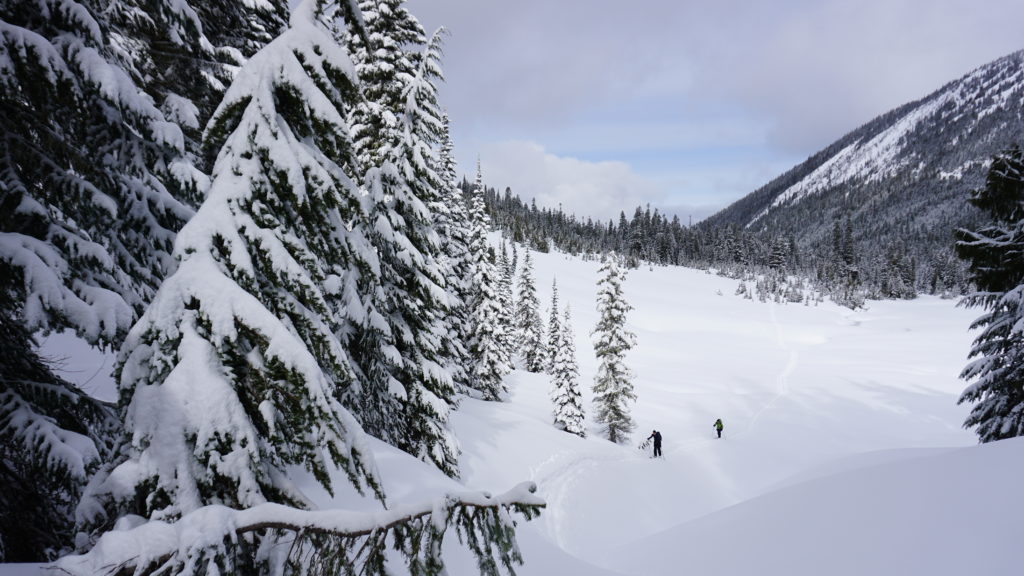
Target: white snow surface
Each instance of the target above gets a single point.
(843, 451)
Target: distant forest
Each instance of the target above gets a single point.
(845, 266)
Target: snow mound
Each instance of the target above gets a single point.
(947, 513)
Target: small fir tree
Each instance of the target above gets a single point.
(554, 329)
(506, 299)
(452, 222)
(488, 350)
(995, 254)
(779, 255)
(613, 387)
(527, 320)
(565, 376)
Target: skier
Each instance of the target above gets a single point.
(657, 443)
(718, 427)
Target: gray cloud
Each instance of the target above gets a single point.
(597, 189)
(699, 102)
(813, 69)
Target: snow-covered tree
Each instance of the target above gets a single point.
(565, 385)
(506, 299)
(613, 386)
(528, 326)
(52, 438)
(94, 185)
(232, 374)
(92, 175)
(995, 254)
(187, 51)
(407, 390)
(452, 222)
(514, 259)
(779, 255)
(488, 351)
(554, 329)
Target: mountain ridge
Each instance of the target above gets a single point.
(902, 177)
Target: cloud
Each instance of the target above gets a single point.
(685, 103)
(818, 69)
(811, 70)
(535, 63)
(596, 189)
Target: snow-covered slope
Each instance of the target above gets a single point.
(993, 89)
(803, 390)
(948, 513)
(905, 176)
(843, 451)
(808, 394)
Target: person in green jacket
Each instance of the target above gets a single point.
(719, 426)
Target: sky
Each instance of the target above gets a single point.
(600, 106)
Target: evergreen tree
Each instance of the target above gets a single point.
(779, 256)
(94, 184)
(554, 329)
(995, 254)
(407, 390)
(565, 375)
(52, 438)
(527, 320)
(232, 373)
(92, 176)
(507, 304)
(487, 343)
(230, 377)
(849, 254)
(453, 228)
(613, 387)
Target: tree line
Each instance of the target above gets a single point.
(846, 265)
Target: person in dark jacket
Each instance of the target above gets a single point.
(719, 426)
(656, 436)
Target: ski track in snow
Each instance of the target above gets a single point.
(783, 388)
(556, 480)
(557, 477)
(782, 380)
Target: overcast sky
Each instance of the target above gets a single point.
(687, 105)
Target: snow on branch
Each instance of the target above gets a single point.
(23, 427)
(208, 539)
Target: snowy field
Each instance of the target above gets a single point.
(843, 451)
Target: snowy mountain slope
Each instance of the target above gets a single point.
(903, 176)
(813, 395)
